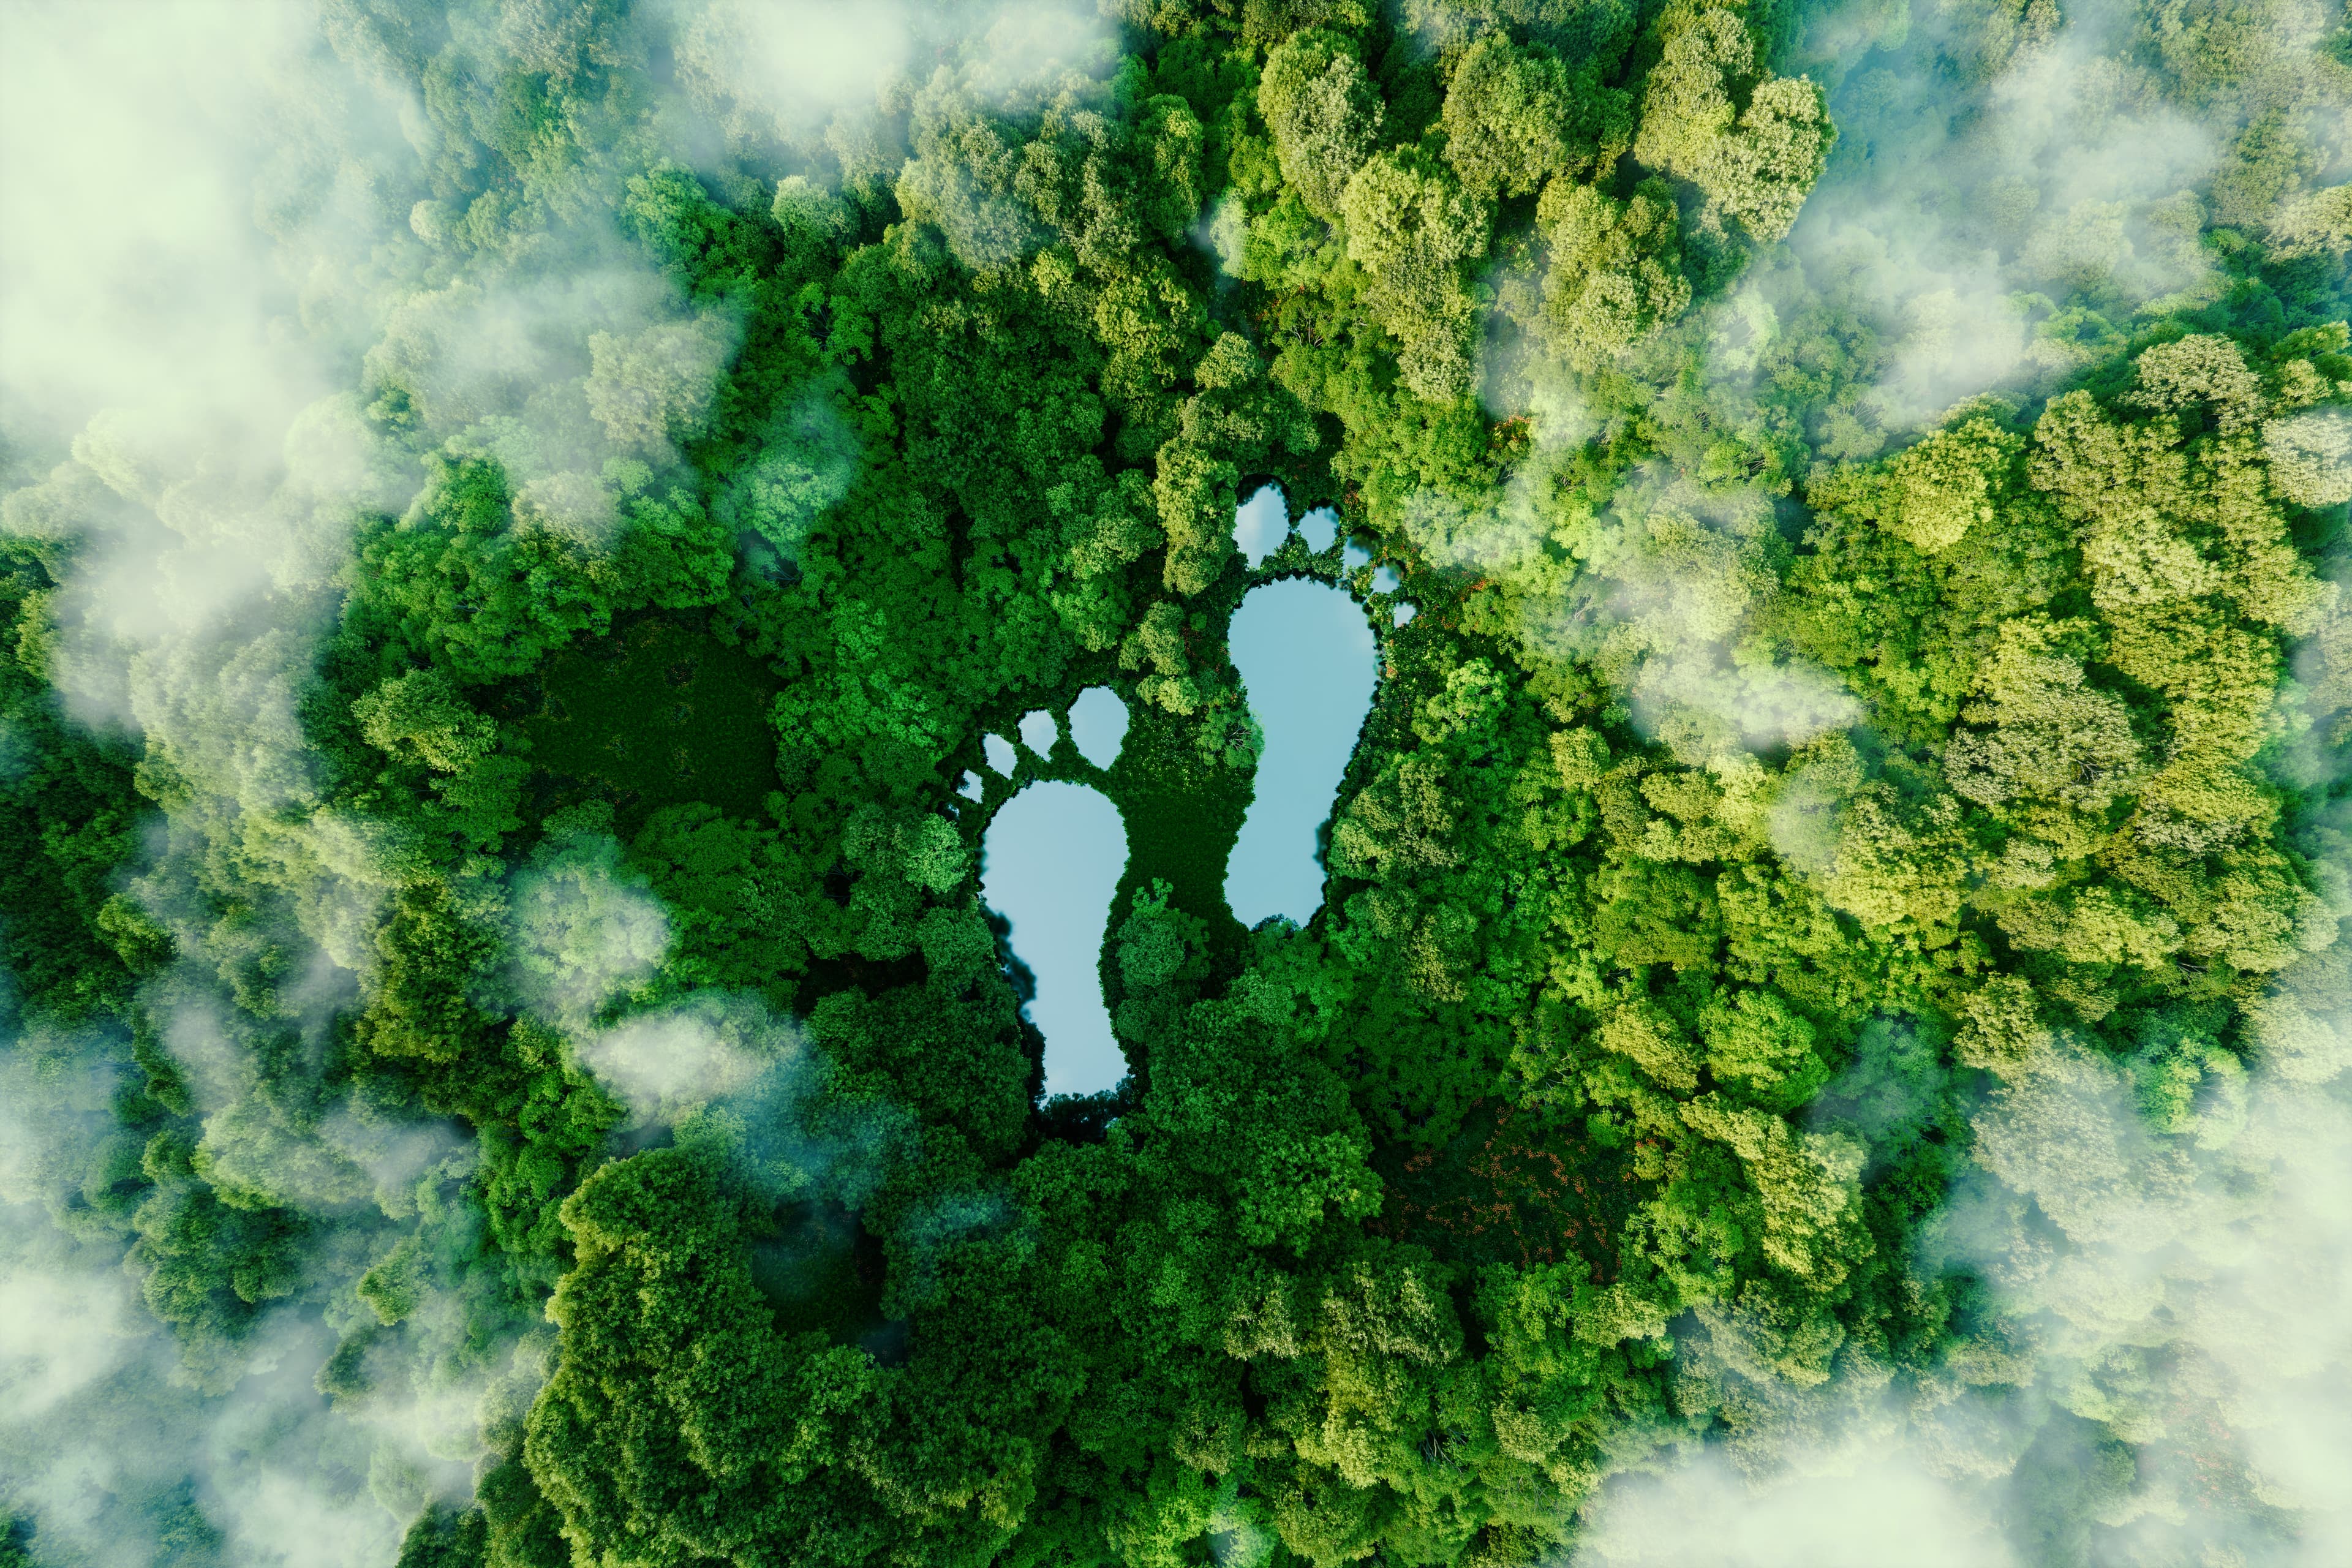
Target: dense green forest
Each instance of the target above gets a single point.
(1826, 1037)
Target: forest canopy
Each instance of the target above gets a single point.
(1825, 1038)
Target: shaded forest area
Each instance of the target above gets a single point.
(1832, 963)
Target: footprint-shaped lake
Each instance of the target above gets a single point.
(1309, 661)
(1053, 855)
(1049, 863)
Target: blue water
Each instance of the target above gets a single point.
(1261, 524)
(1098, 725)
(1049, 863)
(1052, 857)
(1307, 659)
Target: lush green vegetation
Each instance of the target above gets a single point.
(658, 715)
(1845, 865)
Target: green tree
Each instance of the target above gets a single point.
(1516, 117)
(1752, 142)
(1411, 229)
(1324, 112)
(1614, 278)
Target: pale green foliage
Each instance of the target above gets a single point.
(2051, 741)
(420, 717)
(1323, 112)
(1807, 1184)
(654, 387)
(1411, 227)
(962, 178)
(1762, 172)
(2318, 224)
(1688, 108)
(1614, 275)
(1645, 1036)
(1934, 492)
(1516, 117)
(1755, 164)
(2310, 457)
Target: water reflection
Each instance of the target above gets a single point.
(1260, 525)
(1050, 861)
(1306, 656)
(1098, 725)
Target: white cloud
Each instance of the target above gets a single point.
(2167, 1375)
(799, 62)
(397, 1155)
(1859, 1508)
(282, 1517)
(1662, 612)
(131, 153)
(59, 1333)
(585, 932)
(790, 71)
(1981, 207)
(666, 1065)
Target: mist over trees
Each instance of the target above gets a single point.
(1826, 1035)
